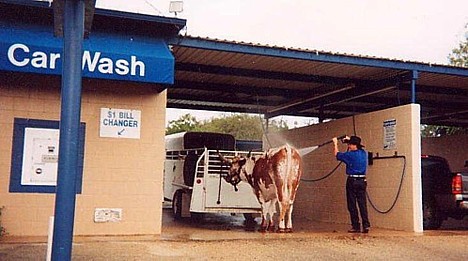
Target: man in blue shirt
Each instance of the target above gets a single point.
(356, 164)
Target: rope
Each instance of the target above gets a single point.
(219, 185)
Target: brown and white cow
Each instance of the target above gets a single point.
(274, 178)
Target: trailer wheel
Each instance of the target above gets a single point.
(177, 205)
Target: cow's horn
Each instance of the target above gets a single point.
(222, 158)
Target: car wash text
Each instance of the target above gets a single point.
(21, 55)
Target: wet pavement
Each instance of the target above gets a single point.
(231, 227)
(222, 236)
(215, 227)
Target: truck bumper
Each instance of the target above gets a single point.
(464, 205)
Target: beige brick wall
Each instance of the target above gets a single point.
(118, 173)
(326, 200)
(454, 148)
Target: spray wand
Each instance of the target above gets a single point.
(330, 141)
(307, 150)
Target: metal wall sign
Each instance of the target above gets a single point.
(106, 56)
(120, 123)
(389, 135)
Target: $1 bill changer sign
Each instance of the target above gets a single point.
(120, 123)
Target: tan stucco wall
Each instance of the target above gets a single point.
(326, 200)
(118, 173)
(454, 148)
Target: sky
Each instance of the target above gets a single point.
(413, 30)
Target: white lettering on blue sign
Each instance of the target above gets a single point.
(106, 65)
(38, 60)
(20, 55)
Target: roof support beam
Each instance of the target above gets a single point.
(355, 94)
(441, 117)
(284, 108)
(414, 78)
(346, 94)
(222, 99)
(262, 74)
(436, 90)
(241, 108)
(227, 88)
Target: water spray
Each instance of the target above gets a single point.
(307, 150)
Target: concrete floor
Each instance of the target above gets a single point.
(228, 227)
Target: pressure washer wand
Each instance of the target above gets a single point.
(308, 150)
(330, 141)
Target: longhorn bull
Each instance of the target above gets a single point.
(274, 178)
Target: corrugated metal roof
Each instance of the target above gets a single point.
(223, 75)
(213, 74)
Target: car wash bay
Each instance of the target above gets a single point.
(383, 101)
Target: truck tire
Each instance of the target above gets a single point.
(177, 205)
(431, 216)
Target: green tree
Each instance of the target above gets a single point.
(458, 57)
(241, 126)
(438, 131)
(185, 122)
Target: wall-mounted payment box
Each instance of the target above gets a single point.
(35, 156)
(40, 157)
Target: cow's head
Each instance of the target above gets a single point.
(240, 169)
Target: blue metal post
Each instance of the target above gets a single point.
(414, 77)
(73, 26)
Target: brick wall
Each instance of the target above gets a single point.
(326, 200)
(118, 173)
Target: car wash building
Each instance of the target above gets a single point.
(135, 66)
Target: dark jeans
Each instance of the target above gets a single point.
(356, 193)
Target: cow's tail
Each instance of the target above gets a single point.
(288, 170)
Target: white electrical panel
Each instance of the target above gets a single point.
(40, 157)
(107, 215)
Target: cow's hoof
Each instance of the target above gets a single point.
(271, 229)
(282, 230)
(262, 229)
(289, 230)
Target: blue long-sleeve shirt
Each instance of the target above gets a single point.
(356, 161)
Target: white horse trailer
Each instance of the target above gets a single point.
(194, 176)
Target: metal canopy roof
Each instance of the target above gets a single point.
(239, 77)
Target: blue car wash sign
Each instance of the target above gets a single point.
(105, 56)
